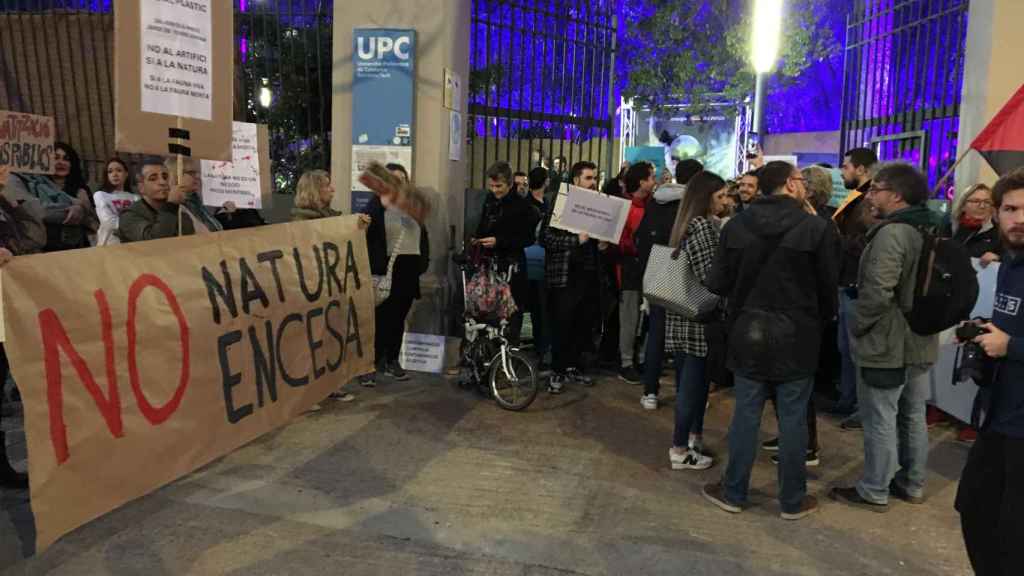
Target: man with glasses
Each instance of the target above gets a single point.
(893, 362)
(776, 265)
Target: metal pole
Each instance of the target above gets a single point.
(758, 105)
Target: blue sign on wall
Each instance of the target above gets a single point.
(383, 90)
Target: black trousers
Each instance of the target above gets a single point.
(390, 314)
(571, 322)
(990, 500)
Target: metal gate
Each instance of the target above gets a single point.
(541, 83)
(56, 59)
(903, 75)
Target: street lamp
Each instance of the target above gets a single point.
(764, 49)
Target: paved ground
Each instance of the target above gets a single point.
(422, 478)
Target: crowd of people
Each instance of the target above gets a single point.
(797, 278)
(801, 282)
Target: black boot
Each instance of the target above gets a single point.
(9, 477)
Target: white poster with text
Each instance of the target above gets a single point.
(237, 181)
(177, 74)
(598, 215)
(422, 353)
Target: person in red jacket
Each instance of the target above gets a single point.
(639, 181)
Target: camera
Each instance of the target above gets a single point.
(972, 363)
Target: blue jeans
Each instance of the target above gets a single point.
(655, 353)
(848, 370)
(895, 436)
(791, 398)
(691, 398)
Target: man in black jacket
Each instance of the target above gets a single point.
(506, 228)
(776, 266)
(989, 499)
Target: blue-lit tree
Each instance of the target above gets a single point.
(697, 52)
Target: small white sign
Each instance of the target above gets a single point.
(422, 353)
(177, 60)
(237, 181)
(583, 211)
(455, 137)
(363, 155)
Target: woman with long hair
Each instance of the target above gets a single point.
(66, 206)
(114, 197)
(696, 232)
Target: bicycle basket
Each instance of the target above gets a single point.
(489, 296)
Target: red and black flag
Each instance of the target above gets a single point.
(1002, 141)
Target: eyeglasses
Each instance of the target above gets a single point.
(876, 190)
(981, 203)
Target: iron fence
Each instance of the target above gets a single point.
(541, 83)
(56, 59)
(903, 75)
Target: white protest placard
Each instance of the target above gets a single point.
(177, 62)
(422, 353)
(788, 159)
(364, 155)
(583, 211)
(237, 181)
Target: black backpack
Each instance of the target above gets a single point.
(946, 288)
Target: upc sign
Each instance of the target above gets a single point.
(380, 47)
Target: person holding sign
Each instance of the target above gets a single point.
(397, 235)
(66, 209)
(313, 195)
(113, 198)
(571, 267)
(156, 215)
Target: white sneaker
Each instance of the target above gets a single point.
(691, 460)
(649, 401)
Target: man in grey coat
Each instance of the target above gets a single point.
(893, 362)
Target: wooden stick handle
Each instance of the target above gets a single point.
(938, 185)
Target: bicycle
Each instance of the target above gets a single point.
(488, 363)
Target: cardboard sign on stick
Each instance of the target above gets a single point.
(26, 142)
(174, 77)
(167, 354)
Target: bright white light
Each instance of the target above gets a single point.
(764, 40)
(265, 97)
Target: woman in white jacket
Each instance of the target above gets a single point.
(113, 198)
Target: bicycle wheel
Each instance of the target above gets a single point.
(513, 382)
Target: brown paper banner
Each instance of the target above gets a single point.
(26, 142)
(139, 363)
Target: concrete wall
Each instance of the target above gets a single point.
(992, 73)
(442, 40)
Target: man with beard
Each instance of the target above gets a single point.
(853, 218)
(990, 500)
(571, 267)
(893, 362)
